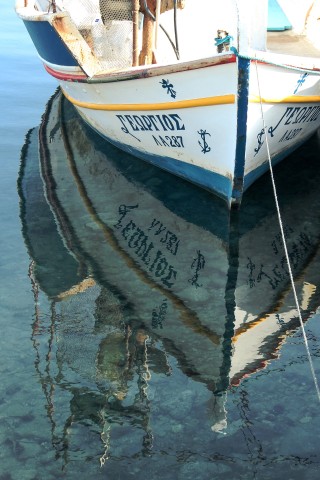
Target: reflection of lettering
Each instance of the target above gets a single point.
(276, 277)
(204, 145)
(123, 210)
(198, 264)
(166, 84)
(301, 81)
(167, 141)
(170, 240)
(299, 249)
(296, 115)
(158, 317)
(260, 142)
(277, 242)
(151, 123)
(251, 266)
(279, 272)
(154, 259)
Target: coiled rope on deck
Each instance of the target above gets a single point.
(285, 244)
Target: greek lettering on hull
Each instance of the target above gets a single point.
(291, 116)
(151, 123)
(297, 115)
(172, 123)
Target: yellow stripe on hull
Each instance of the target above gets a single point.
(290, 99)
(198, 102)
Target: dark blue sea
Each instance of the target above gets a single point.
(146, 333)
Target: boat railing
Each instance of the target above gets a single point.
(118, 35)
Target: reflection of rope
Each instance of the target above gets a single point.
(285, 245)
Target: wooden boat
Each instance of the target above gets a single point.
(201, 90)
(133, 273)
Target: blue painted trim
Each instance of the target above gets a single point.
(242, 113)
(211, 181)
(262, 169)
(48, 43)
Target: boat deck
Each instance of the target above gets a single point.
(289, 43)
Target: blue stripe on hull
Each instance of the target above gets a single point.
(262, 169)
(48, 43)
(211, 181)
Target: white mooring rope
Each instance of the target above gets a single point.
(285, 245)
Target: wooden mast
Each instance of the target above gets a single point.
(135, 40)
(146, 55)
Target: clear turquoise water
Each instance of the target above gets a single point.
(113, 366)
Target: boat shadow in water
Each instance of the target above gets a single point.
(148, 275)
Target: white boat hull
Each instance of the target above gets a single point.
(217, 122)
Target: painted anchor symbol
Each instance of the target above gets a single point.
(166, 84)
(204, 146)
(260, 142)
(301, 81)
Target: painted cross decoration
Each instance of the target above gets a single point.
(301, 81)
(167, 85)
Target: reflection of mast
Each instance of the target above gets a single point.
(132, 374)
(45, 379)
(144, 376)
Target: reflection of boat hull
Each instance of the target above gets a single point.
(147, 298)
(193, 283)
(199, 119)
(50, 258)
